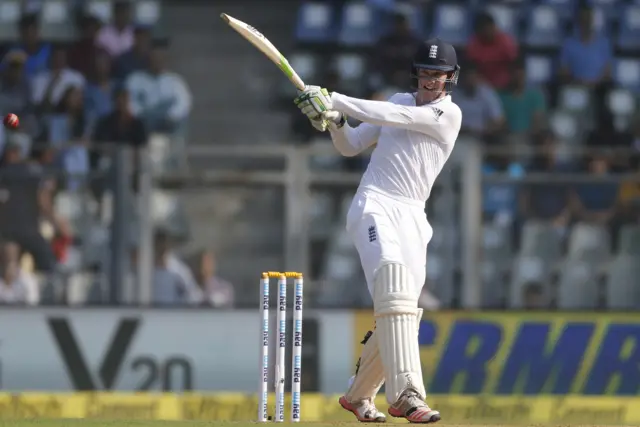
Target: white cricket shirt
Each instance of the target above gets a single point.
(413, 143)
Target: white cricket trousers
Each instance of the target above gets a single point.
(386, 229)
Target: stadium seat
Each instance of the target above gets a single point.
(540, 240)
(528, 270)
(565, 125)
(101, 9)
(629, 238)
(565, 8)
(305, 65)
(359, 25)
(575, 99)
(56, 21)
(622, 290)
(9, 17)
(621, 102)
(629, 29)
(497, 261)
(545, 27)
(590, 243)
(506, 17)
(350, 68)
(578, 286)
(626, 73)
(452, 23)
(539, 69)
(147, 12)
(315, 23)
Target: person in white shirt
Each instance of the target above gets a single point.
(117, 37)
(48, 87)
(159, 97)
(16, 285)
(415, 135)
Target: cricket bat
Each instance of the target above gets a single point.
(257, 39)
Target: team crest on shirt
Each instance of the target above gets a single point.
(437, 113)
(372, 234)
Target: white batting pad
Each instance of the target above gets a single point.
(396, 310)
(370, 376)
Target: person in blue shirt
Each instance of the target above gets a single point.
(98, 95)
(586, 56)
(548, 201)
(37, 51)
(596, 202)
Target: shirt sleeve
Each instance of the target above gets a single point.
(494, 105)
(352, 141)
(133, 84)
(440, 121)
(182, 106)
(38, 87)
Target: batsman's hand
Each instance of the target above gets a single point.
(315, 103)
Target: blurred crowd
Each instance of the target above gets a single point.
(76, 97)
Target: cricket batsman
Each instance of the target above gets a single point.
(415, 134)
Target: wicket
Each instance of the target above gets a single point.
(296, 357)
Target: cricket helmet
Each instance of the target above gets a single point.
(435, 54)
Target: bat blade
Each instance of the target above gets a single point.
(256, 38)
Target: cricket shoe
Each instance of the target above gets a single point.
(413, 409)
(364, 410)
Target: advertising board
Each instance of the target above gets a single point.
(530, 354)
(159, 350)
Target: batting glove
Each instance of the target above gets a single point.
(315, 102)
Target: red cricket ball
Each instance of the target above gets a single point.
(11, 121)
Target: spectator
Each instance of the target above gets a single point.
(118, 127)
(83, 52)
(500, 200)
(606, 136)
(482, 114)
(98, 94)
(533, 296)
(493, 51)
(50, 86)
(629, 198)
(159, 97)
(168, 285)
(217, 292)
(68, 129)
(117, 37)
(595, 202)
(15, 92)
(37, 51)
(586, 56)
(25, 198)
(136, 58)
(549, 202)
(524, 106)
(67, 122)
(16, 285)
(173, 280)
(394, 52)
